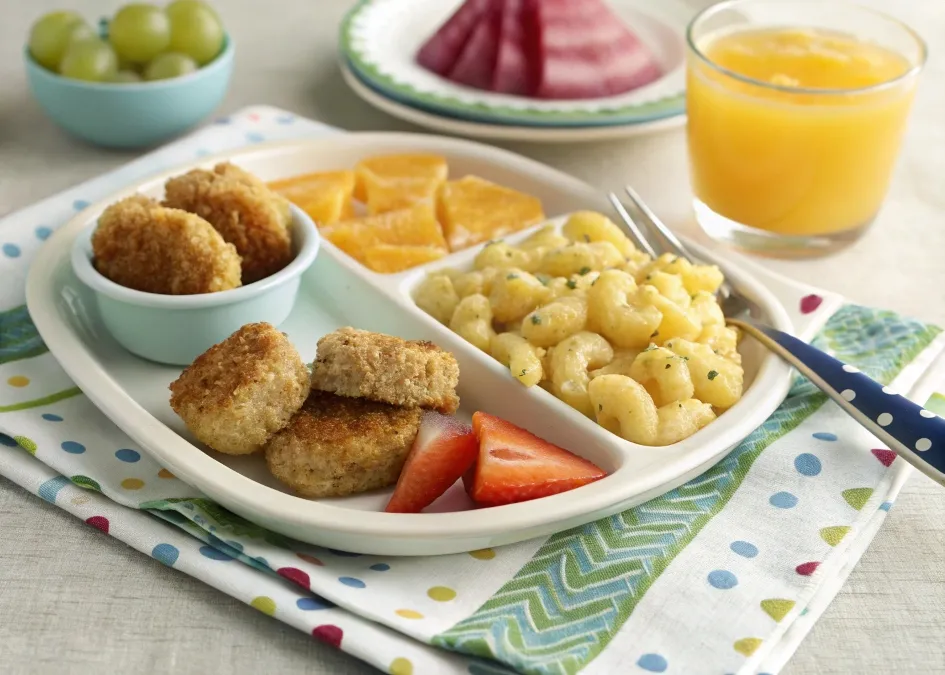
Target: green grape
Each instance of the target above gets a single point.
(168, 65)
(124, 77)
(139, 32)
(52, 33)
(91, 60)
(195, 30)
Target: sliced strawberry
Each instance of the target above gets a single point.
(441, 51)
(443, 450)
(469, 477)
(514, 465)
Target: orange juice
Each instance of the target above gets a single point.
(795, 131)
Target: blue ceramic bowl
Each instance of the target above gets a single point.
(176, 329)
(131, 115)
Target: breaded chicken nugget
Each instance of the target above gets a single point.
(142, 245)
(239, 392)
(358, 363)
(337, 446)
(247, 213)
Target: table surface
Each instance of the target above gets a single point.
(83, 603)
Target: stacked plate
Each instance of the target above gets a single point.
(380, 39)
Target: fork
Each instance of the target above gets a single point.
(912, 432)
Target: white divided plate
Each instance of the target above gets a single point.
(337, 291)
(379, 40)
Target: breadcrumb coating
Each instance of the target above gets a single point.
(243, 209)
(239, 392)
(337, 446)
(142, 245)
(359, 363)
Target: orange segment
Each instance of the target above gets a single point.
(388, 259)
(414, 167)
(325, 196)
(389, 194)
(473, 210)
(416, 226)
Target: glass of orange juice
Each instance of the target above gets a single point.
(796, 111)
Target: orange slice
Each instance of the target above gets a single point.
(388, 259)
(325, 196)
(416, 226)
(473, 210)
(386, 168)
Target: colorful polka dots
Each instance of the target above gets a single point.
(352, 582)
(313, 603)
(408, 614)
(49, 417)
(289, 119)
(328, 634)
(825, 436)
(483, 554)
(128, 455)
(848, 394)
(43, 232)
(806, 569)
(214, 554)
(80, 204)
(441, 593)
(401, 666)
(783, 500)
(923, 444)
(11, 250)
(295, 575)
(857, 497)
(264, 604)
(744, 549)
(98, 522)
(653, 663)
(255, 137)
(722, 579)
(72, 447)
(807, 464)
(87, 483)
(166, 554)
(164, 473)
(49, 489)
(777, 608)
(132, 484)
(747, 646)
(80, 500)
(885, 457)
(847, 368)
(18, 381)
(810, 303)
(27, 444)
(885, 506)
(884, 419)
(834, 535)
(310, 559)
(380, 567)
(927, 414)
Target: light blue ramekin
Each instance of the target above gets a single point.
(176, 329)
(133, 114)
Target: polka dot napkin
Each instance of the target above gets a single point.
(725, 574)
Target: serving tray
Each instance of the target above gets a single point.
(338, 291)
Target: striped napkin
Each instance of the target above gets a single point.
(725, 574)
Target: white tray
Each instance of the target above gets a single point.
(338, 291)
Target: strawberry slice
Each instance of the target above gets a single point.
(442, 451)
(514, 465)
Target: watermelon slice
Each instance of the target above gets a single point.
(587, 52)
(440, 52)
(516, 69)
(476, 62)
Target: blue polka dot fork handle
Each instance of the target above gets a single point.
(912, 432)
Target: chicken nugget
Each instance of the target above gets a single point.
(337, 446)
(412, 373)
(142, 245)
(239, 392)
(247, 213)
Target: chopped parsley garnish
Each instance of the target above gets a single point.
(536, 320)
(587, 238)
(668, 366)
(512, 276)
(522, 374)
(572, 284)
(713, 374)
(584, 270)
(654, 333)
(600, 407)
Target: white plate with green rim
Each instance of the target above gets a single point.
(380, 38)
(337, 291)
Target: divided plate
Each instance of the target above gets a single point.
(338, 291)
(380, 38)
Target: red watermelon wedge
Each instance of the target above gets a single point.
(441, 51)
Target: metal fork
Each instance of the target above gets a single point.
(912, 432)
